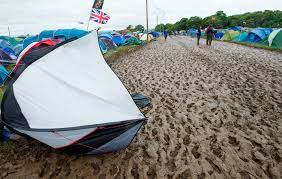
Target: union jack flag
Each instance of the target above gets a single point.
(99, 16)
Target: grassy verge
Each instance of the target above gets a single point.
(256, 45)
(111, 56)
(260, 46)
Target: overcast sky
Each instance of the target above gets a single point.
(32, 16)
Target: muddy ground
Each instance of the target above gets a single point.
(216, 113)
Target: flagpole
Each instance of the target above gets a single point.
(147, 20)
(88, 24)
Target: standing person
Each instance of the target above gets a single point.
(199, 33)
(165, 34)
(209, 33)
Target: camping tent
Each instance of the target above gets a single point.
(4, 44)
(241, 37)
(107, 40)
(60, 35)
(236, 28)
(103, 47)
(258, 34)
(3, 74)
(133, 41)
(11, 40)
(144, 37)
(118, 39)
(5, 58)
(230, 35)
(109, 36)
(27, 41)
(101, 116)
(66, 34)
(32, 47)
(155, 34)
(219, 35)
(18, 49)
(275, 39)
(46, 34)
(10, 52)
(192, 32)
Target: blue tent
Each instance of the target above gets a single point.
(236, 28)
(65, 34)
(258, 34)
(103, 47)
(118, 39)
(219, 35)
(127, 36)
(4, 43)
(9, 51)
(3, 74)
(241, 38)
(46, 34)
(192, 32)
(18, 49)
(29, 40)
(155, 34)
(108, 42)
(108, 36)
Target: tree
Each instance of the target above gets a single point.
(160, 28)
(130, 28)
(170, 27)
(139, 28)
(194, 22)
(221, 20)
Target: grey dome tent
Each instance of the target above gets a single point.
(67, 97)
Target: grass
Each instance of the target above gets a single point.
(255, 45)
(112, 55)
(260, 46)
(2, 90)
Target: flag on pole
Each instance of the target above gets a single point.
(99, 16)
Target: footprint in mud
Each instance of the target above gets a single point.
(233, 141)
(155, 132)
(195, 152)
(186, 174)
(188, 130)
(186, 140)
(134, 171)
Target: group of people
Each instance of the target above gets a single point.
(210, 33)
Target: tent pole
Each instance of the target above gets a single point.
(147, 20)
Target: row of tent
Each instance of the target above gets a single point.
(12, 49)
(111, 40)
(263, 36)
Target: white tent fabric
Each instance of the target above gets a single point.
(272, 36)
(144, 37)
(73, 86)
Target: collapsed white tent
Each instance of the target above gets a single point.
(70, 95)
(144, 37)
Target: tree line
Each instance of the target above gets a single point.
(221, 21)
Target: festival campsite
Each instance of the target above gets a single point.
(145, 89)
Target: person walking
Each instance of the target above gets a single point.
(209, 33)
(199, 33)
(165, 34)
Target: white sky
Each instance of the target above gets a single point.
(32, 16)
